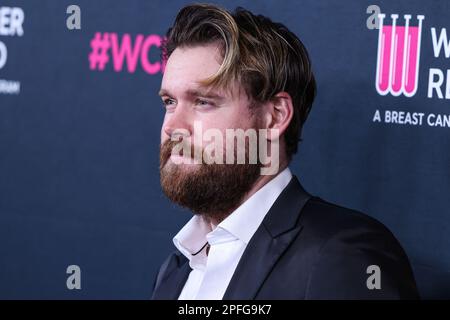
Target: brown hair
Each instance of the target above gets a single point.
(263, 56)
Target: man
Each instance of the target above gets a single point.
(255, 235)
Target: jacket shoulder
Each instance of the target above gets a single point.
(347, 243)
(326, 220)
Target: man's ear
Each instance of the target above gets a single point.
(279, 113)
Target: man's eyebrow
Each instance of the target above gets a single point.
(205, 94)
(195, 93)
(163, 92)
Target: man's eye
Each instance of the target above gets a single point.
(168, 103)
(204, 103)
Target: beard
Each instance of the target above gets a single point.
(211, 190)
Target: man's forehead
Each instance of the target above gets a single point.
(188, 67)
(198, 61)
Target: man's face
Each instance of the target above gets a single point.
(199, 186)
(187, 102)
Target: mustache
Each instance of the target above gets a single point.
(167, 146)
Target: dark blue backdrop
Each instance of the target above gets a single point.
(79, 180)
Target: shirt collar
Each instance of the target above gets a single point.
(241, 224)
(246, 219)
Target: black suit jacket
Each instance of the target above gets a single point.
(307, 248)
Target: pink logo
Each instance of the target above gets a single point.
(398, 56)
(106, 46)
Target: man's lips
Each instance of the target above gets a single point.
(181, 159)
(177, 158)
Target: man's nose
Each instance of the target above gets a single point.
(178, 122)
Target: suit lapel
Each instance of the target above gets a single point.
(278, 229)
(173, 275)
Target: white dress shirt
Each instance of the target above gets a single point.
(212, 273)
